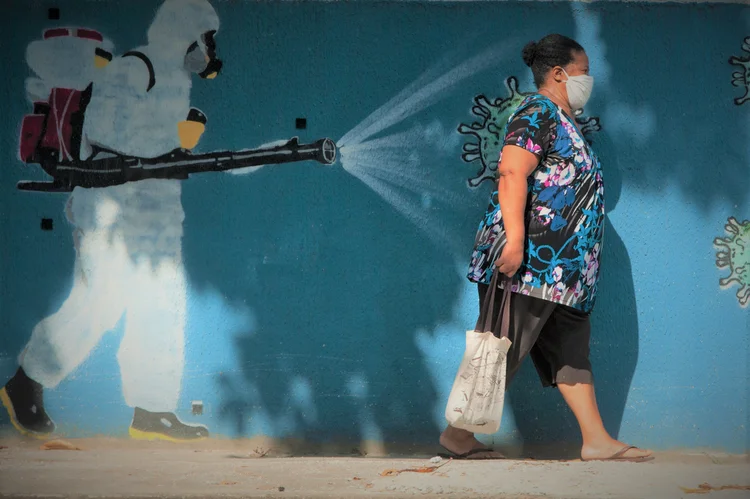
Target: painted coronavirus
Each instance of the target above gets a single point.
(741, 78)
(486, 134)
(734, 254)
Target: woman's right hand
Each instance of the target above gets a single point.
(510, 259)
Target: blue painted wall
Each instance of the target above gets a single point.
(319, 309)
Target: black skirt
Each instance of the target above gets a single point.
(556, 336)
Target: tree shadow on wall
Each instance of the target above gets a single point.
(339, 296)
(667, 133)
(546, 424)
(340, 288)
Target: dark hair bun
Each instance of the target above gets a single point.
(529, 53)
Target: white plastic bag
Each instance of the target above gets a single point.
(476, 399)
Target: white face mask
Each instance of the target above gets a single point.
(579, 89)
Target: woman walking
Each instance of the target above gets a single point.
(543, 229)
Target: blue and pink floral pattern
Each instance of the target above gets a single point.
(565, 219)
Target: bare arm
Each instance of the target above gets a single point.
(514, 169)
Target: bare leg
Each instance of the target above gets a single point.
(597, 443)
(461, 441)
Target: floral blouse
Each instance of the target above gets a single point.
(565, 211)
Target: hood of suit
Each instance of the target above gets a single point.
(177, 25)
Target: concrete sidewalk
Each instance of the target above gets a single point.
(122, 469)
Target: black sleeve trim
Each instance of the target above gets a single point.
(147, 62)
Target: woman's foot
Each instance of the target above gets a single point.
(462, 442)
(612, 450)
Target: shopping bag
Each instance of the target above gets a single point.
(476, 399)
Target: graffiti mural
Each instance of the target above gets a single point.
(83, 97)
(486, 135)
(734, 254)
(117, 133)
(741, 78)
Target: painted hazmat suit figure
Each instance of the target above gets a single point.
(128, 238)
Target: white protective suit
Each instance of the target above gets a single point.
(129, 237)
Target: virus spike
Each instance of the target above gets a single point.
(732, 226)
(512, 84)
(482, 107)
(743, 295)
(471, 147)
(469, 130)
(476, 182)
(726, 282)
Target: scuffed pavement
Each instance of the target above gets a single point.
(115, 470)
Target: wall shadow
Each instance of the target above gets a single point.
(340, 283)
(334, 354)
(644, 148)
(655, 151)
